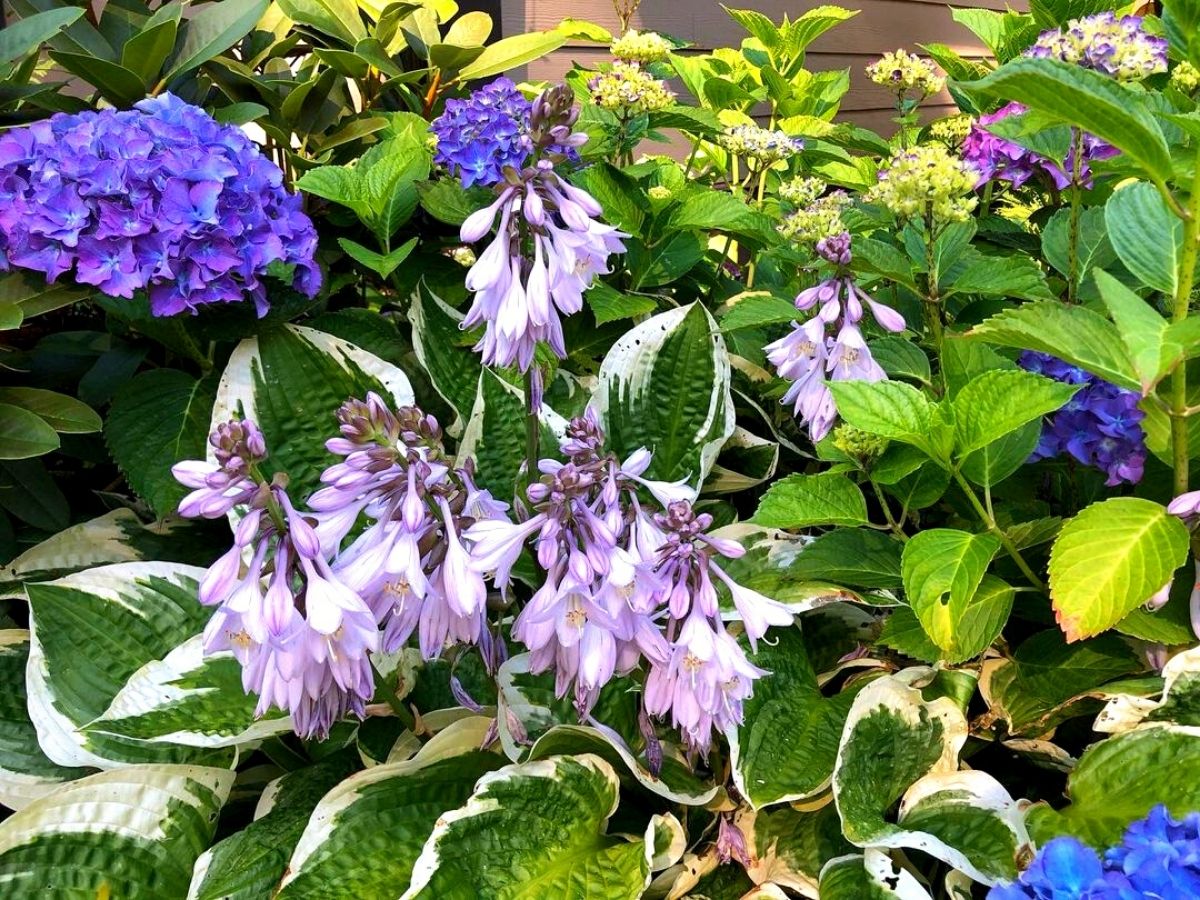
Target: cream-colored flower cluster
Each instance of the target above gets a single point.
(926, 180)
(627, 87)
(641, 47)
(904, 72)
(820, 219)
(1185, 77)
(801, 191)
(761, 144)
(952, 130)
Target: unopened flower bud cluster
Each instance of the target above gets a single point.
(761, 144)
(926, 180)
(641, 47)
(1185, 77)
(903, 72)
(952, 130)
(627, 87)
(820, 219)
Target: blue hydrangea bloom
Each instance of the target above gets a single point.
(161, 197)
(1065, 869)
(477, 138)
(1100, 426)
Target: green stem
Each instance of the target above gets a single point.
(887, 512)
(1005, 541)
(687, 169)
(1186, 274)
(1076, 208)
(932, 302)
(389, 695)
(532, 428)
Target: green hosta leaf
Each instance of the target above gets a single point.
(64, 414)
(90, 633)
(788, 847)
(998, 403)
(453, 368)
(799, 501)
(871, 876)
(1146, 235)
(1119, 780)
(897, 745)
(745, 461)
(249, 863)
(1033, 690)
(495, 435)
(942, 570)
(291, 381)
(1093, 248)
(381, 818)
(1080, 336)
(156, 420)
(998, 276)
(706, 877)
(665, 386)
(190, 699)
(22, 37)
(757, 309)
(510, 52)
(24, 435)
(212, 31)
(338, 18)
(1087, 99)
(133, 832)
(533, 830)
(25, 772)
(786, 748)
(1110, 559)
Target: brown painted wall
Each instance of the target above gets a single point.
(881, 25)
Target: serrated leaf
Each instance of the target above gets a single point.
(943, 570)
(382, 264)
(799, 501)
(665, 386)
(448, 201)
(1110, 559)
(1146, 235)
(1093, 248)
(158, 419)
(757, 309)
(997, 403)
(1150, 344)
(853, 556)
(997, 276)
(901, 358)
(887, 408)
(610, 305)
(530, 830)
(134, 832)
(786, 747)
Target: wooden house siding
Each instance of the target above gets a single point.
(880, 26)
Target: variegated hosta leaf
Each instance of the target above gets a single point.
(899, 746)
(533, 830)
(704, 876)
(249, 864)
(1119, 780)
(872, 876)
(115, 537)
(1179, 704)
(190, 699)
(365, 834)
(105, 636)
(25, 772)
(451, 365)
(665, 841)
(786, 747)
(291, 381)
(664, 386)
(530, 715)
(130, 833)
(789, 846)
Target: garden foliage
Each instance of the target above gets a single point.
(415, 482)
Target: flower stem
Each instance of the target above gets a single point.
(1180, 455)
(532, 424)
(887, 512)
(996, 530)
(389, 695)
(932, 303)
(1076, 206)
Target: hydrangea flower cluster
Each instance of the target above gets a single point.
(802, 191)
(926, 181)
(820, 219)
(763, 145)
(1158, 857)
(628, 88)
(996, 158)
(830, 344)
(624, 583)
(903, 73)
(1119, 47)
(481, 136)
(1100, 426)
(1185, 77)
(160, 197)
(643, 47)
(952, 130)
(519, 298)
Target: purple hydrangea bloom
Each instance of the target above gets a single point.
(481, 136)
(996, 158)
(1100, 426)
(161, 197)
(1121, 48)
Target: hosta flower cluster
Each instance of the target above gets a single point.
(1158, 857)
(161, 197)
